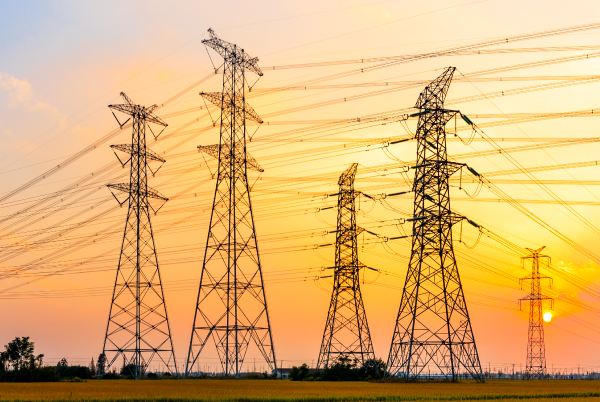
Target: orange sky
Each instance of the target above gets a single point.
(63, 63)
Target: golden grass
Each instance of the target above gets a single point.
(232, 390)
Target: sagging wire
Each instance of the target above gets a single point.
(321, 219)
(327, 206)
(315, 250)
(475, 225)
(390, 250)
(479, 184)
(365, 213)
(364, 269)
(316, 281)
(372, 245)
(470, 123)
(389, 154)
(382, 200)
(460, 240)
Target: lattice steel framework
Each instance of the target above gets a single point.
(346, 330)
(433, 334)
(232, 305)
(138, 325)
(535, 367)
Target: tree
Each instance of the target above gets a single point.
(101, 364)
(19, 355)
(3, 362)
(92, 367)
(299, 373)
(63, 362)
(373, 369)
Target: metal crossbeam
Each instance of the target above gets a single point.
(223, 154)
(232, 104)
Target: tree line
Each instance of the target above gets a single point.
(19, 363)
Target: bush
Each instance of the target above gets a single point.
(299, 373)
(152, 376)
(82, 372)
(111, 376)
(343, 369)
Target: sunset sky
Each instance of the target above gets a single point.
(63, 62)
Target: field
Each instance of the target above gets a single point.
(264, 390)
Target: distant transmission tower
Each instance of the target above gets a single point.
(535, 368)
(232, 306)
(346, 331)
(433, 330)
(138, 325)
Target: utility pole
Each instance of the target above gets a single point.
(346, 330)
(433, 328)
(535, 366)
(138, 324)
(231, 307)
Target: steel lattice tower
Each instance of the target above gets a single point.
(346, 330)
(433, 330)
(535, 368)
(138, 325)
(232, 305)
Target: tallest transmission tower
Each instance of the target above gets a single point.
(433, 329)
(232, 305)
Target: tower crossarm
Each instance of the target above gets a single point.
(229, 51)
(131, 109)
(132, 189)
(214, 150)
(237, 104)
(129, 149)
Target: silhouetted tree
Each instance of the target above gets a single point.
(101, 364)
(19, 355)
(299, 373)
(93, 367)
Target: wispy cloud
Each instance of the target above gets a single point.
(20, 93)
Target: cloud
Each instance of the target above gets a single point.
(20, 93)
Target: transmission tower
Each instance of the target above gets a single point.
(138, 326)
(346, 330)
(535, 368)
(232, 305)
(433, 330)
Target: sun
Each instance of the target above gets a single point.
(547, 316)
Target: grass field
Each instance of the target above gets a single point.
(263, 390)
